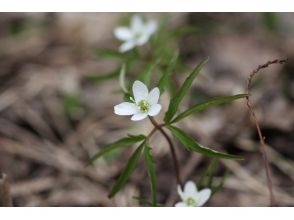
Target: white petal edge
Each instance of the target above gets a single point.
(180, 192)
(153, 96)
(123, 33)
(137, 24)
(140, 91)
(190, 188)
(154, 110)
(181, 204)
(125, 108)
(151, 27)
(143, 39)
(203, 196)
(128, 45)
(139, 116)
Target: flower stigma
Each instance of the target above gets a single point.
(143, 106)
(190, 201)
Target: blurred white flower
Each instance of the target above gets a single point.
(191, 197)
(137, 34)
(144, 103)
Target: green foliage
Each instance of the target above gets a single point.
(176, 100)
(185, 30)
(105, 76)
(107, 53)
(122, 78)
(146, 73)
(208, 173)
(71, 103)
(191, 145)
(151, 173)
(212, 102)
(127, 171)
(221, 183)
(166, 74)
(157, 61)
(270, 20)
(117, 144)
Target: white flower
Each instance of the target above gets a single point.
(137, 34)
(144, 103)
(191, 197)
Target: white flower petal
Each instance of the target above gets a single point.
(181, 204)
(180, 192)
(139, 116)
(140, 91)
(137, 24)
(125, 108)
(143, 39)
(203, 196)
(154, 109)
(128, 45)
(153, 96)
(151, 27)
(190, 188)
(123, 33)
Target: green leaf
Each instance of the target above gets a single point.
(208, 173)
(184, 30)
(120, 143)
(212, 102)
(165, 76)
(222, 182)
(122, 78)
(270, 20)
(146, 73)
(175, 101)
(127, 171)
(191, 145)
(112, 74)
(107, 53)
(71, 103)
(151, 173)
(142, 200)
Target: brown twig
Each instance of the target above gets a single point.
(172, 149)
(260, 135)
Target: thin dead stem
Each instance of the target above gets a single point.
(260, 135)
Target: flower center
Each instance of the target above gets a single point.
(137, 35)
(143, 106)
(190, 201)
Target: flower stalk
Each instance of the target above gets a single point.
(172, 149)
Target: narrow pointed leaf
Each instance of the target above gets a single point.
(191, 145)
(165, 76)
(127, 171)
(212, 102)
(122, 79)
(142, 200)
(221, 184)
(120, 143)
(146, 73)
(104, 76)
(151, 173)
(107, 53)
(176, 100)
(207, 173)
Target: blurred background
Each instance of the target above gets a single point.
(55, 114)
